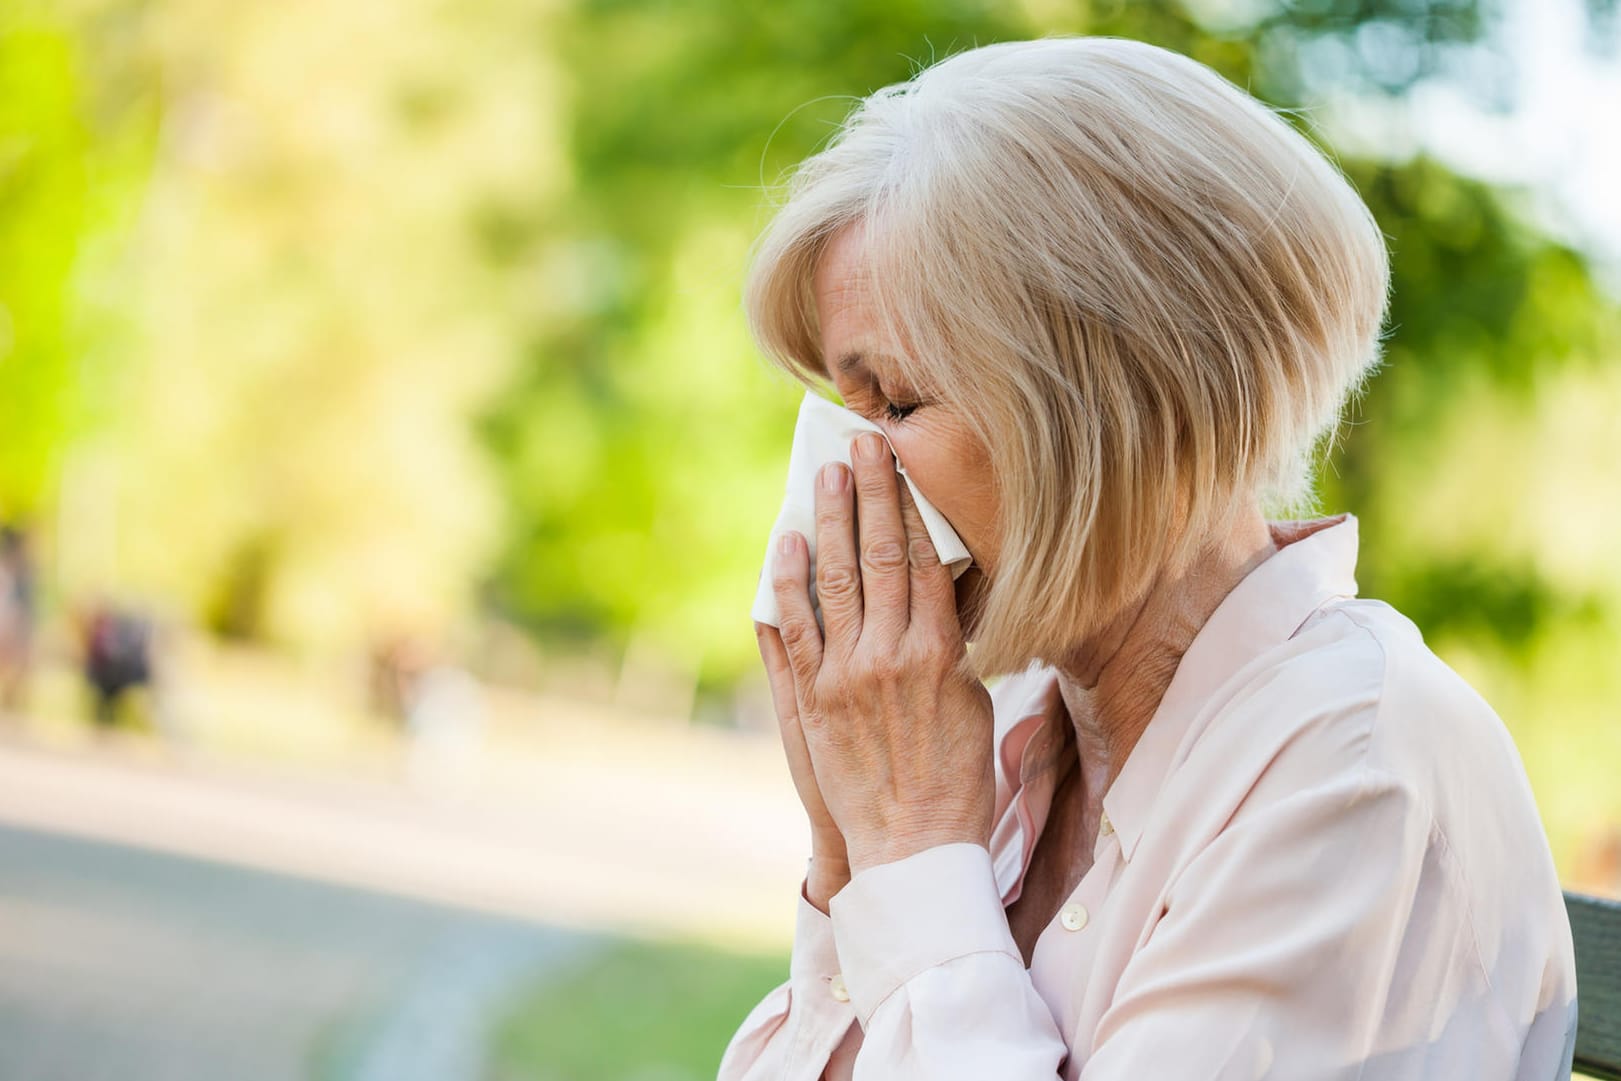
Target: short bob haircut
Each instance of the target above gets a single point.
(1147, 294)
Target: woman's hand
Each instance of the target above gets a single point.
(830, 866)
(898, 742)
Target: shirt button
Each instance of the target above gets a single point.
(837, 988)
(1106, 827)
(1072, 916)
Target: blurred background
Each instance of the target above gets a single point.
(385, 473)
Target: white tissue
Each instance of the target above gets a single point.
(823, 434)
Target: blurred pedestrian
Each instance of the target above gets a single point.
(396, 662)
(117, 658)
(444, 721)
(17, 616)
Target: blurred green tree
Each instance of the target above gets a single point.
(69, 164)
(652, 513)
(372, 232)
(309, 321)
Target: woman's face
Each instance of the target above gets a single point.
(949, 465)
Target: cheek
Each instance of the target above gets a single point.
(939, 475)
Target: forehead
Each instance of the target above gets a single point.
(850, 327)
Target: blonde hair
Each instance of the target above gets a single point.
(1147, 294)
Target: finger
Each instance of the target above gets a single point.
(838, 573)
(784, 699)
(885, 587)
(934, 597)
(779, 673)
(801, 637)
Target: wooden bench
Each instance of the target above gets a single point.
(1595, 924)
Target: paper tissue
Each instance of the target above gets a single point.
(823, 434)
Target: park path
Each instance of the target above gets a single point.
(120, 963)
(176, 919)
(654, 834)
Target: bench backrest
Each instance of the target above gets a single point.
(1595, 924)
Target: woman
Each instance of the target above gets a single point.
(1218, 817)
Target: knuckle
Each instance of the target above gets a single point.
(836, 581)
(921, 651)
(884, 555)
(888, 665)
(921, 551)
(931, 641)
(835, 687)
(878, 480)
(829, 515)
(945, 643)
(794, 633)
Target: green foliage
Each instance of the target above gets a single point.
(640, 1010)
(44, 159)
(435, 306)
(74, 147)
(681, 112)
(309, 321)
(1476, 461)
(643, 441)
(1484, 310)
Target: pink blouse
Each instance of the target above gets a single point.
(1321, 860)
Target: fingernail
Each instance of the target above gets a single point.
(870, 446)
(832, 478)
(785, 544)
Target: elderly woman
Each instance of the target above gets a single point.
(1215, 815)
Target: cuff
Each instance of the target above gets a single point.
(815, 958)
(813, 973)
(896, 920)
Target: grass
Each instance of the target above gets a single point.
(640, 1011)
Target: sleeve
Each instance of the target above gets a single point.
(1322, 935)
(936, 980)
(804, 1029)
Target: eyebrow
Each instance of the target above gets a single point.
(855, 358)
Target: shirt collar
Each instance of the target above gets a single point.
(1027, 742)
(1315, 563)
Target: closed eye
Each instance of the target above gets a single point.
(898, 413)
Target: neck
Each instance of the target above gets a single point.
(1112, 684)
